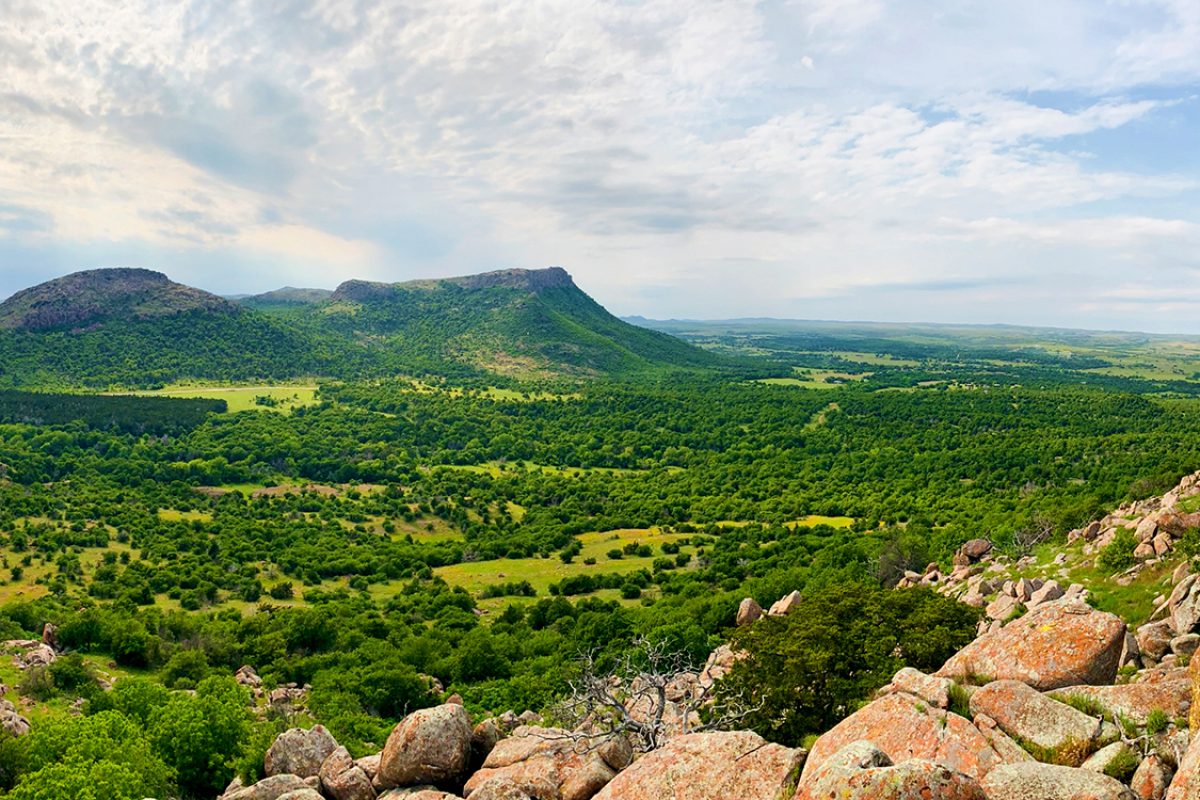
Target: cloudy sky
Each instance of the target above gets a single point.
(941, 160)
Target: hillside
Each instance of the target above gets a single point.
(515, 322)
(135, 327)
(99, 296)
(129, 327)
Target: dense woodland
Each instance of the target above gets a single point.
(172, 543)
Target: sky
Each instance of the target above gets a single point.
(898, 160)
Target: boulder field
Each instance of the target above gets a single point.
(1054, 700)
(1051, 721)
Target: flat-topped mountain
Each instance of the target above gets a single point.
(137, 327)
(525, 280)
(96, 296)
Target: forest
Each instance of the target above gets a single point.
(402, 539)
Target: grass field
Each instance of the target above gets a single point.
(283, 399)
(541, 572)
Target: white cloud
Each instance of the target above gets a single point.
(680, 157)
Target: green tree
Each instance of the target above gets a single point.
(808, 670)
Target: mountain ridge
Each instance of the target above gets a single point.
(518, 323)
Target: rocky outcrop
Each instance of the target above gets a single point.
(1186, 783)
(861, 771)
(342, 779)
(1047, 782)
(299, 752)
(935, 691)
(11, 720)
(269, 788)
(1152, 778)
(906, 727)
(785, 605)
(1059, 644)
(550, 764)
(432, 745)
(1052, 731)
(749, 611)
(1169, 692)
(710, 766)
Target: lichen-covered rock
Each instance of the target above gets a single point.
(1055, 731)
(307, 793)
(500, 789)
(301, 752)
(785, 605)
(1035, 781)
(11, 720)
(1194, 671)
(551, 764)
(425, 793)
(1171, 694)
(1184, 605)
(906, 727)
(484, 737)
(270, 788)
(432, 745)
(1058, 644)
(1152, 778)
(710, 766)
(861, 771)
(1107, 758)
(935, 691)
(1154, 639)
(1186, 784)
(342, 779)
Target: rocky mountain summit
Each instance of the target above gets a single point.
(93, 297)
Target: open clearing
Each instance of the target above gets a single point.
(282, 399)
(541, 572)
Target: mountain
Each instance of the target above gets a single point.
(285, 298)
(132, 327)
(515, 322)
(136, 327)
(94, 297)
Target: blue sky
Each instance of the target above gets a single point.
(921, 160)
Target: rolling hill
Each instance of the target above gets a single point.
(136, 328)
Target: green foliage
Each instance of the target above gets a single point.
(1157, 721)
(185, 669)
(1118, 555)
(838, 647)
(960, 701)
(104, 756)
(1123, 765)
(201, 736)
(1082, 702)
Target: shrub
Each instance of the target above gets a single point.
(1118, 555)
(838, 648)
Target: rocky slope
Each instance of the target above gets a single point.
(94, 297)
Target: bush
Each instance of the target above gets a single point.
(185, 669)
(201, 736)
(1118, 556)
(829, 655)
(37, 684)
